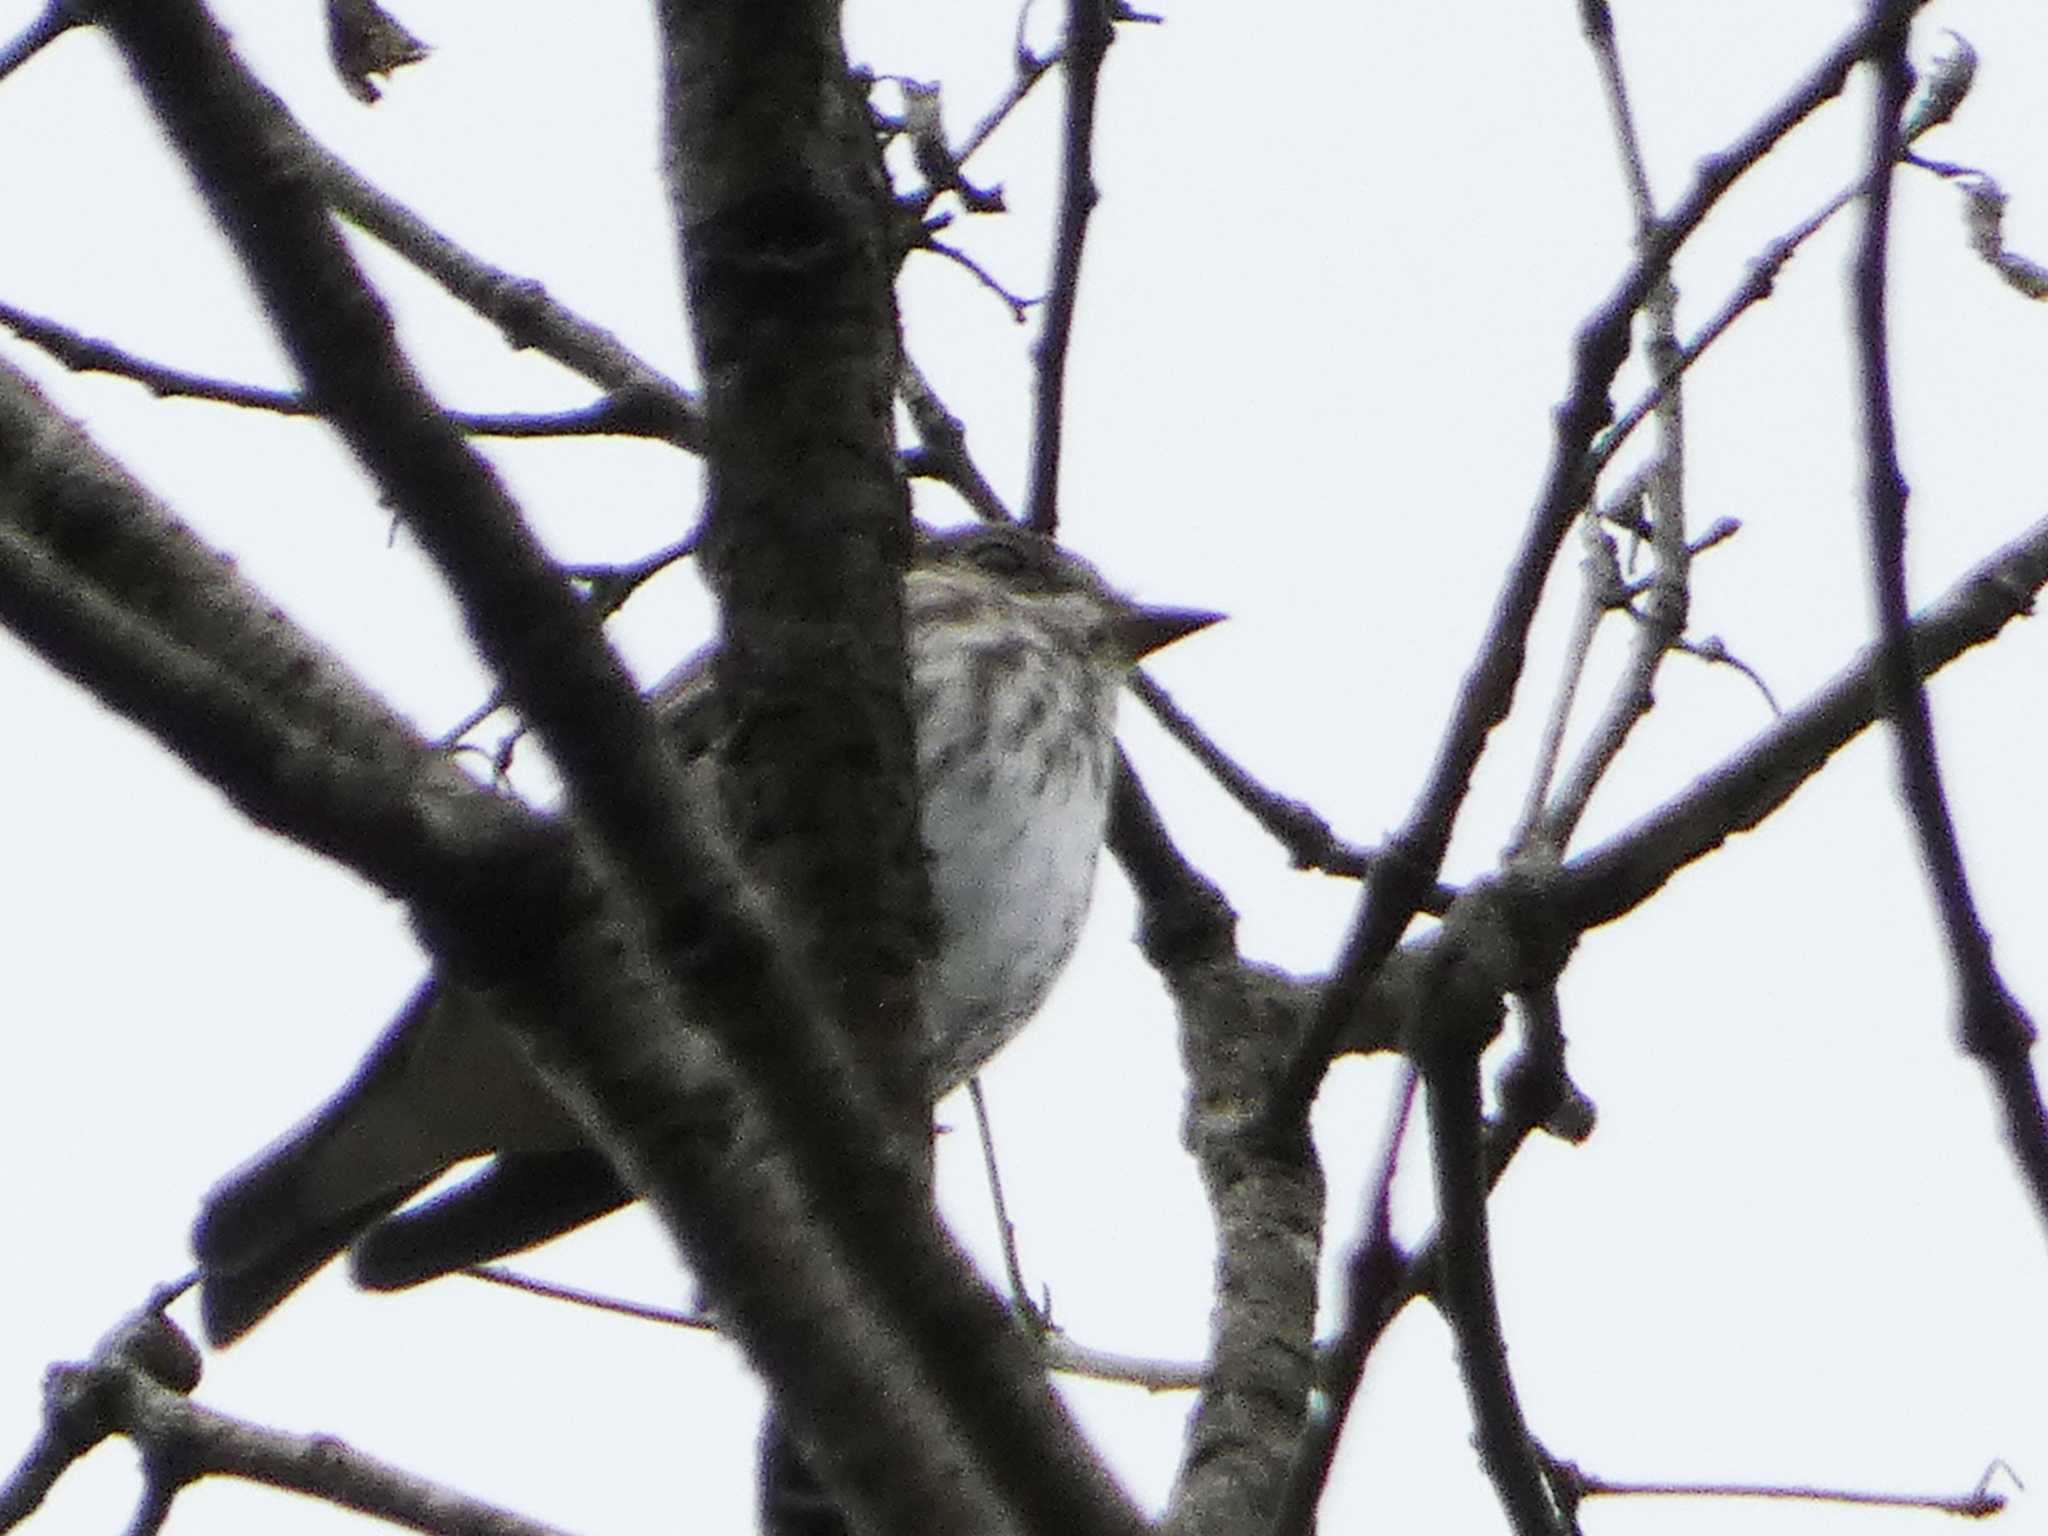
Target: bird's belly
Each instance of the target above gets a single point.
(1012, 860)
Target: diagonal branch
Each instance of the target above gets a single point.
(1620, 874)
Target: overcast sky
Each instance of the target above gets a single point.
(1329, 303)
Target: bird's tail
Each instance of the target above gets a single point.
(441, 1086)
(270, 1224)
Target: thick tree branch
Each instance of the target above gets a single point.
(782, 204)
(783, 212)
(1238, 1026)
(190, 657)
(650, 1092)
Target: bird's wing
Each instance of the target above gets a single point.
(441, 1085)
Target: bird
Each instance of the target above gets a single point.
(1017, 651)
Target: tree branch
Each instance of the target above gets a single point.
(1396, 887)
(874, 1368)
(1993, 1024)
(1238, 1023)
(1620, 874)
(1089, 34)
(1465, 1019)
(59, 17)
(136, 1386)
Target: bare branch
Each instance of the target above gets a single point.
(1465, 1018)
(1661, 619)
(1062, 1352)
(1600, 590)
(59, 17)
(1395, 889)
(518, 306)
(1617, 876)
(1031, 68)
(1294, 824)
(1265, 1188)
(1006, 1230)
(1371, 1272)
(1993, 1026)
(941, 453)
(1089, 34)
(631, 412)
(123, 1391)
(1948, 83)
(1018, 306)
(1979, 1503)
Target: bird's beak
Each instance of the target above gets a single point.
(1141, 631)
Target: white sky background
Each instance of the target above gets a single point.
(1329, 298)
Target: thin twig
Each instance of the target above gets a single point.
(608, 587)
(1993, 1025)
(630, 412)
(1600, 589)
(1661, 618)
(1979, 1503)
(520, 307)
(1031, 68)
(941, 453)
(1089, 33)
(1006, 1230)
(1712, 651)
(513, 1280)
(1062, 1353)
(1018, 306)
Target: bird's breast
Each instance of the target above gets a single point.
(1015, 746)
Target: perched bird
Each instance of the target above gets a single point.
(1017, 652)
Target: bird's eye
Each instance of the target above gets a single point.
(999, 557)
